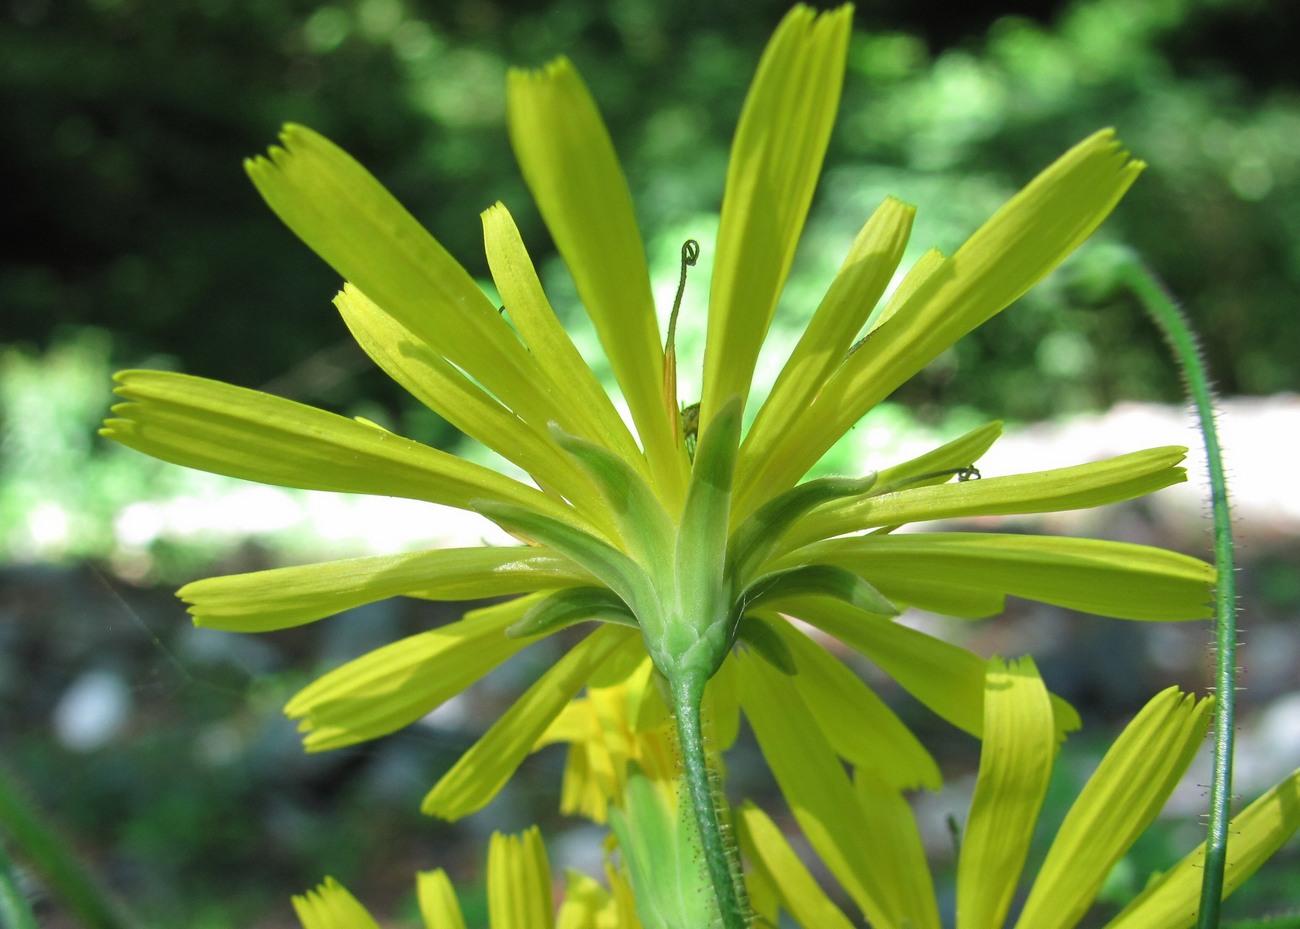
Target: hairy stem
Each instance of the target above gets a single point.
(688, 696)
(1165, 311)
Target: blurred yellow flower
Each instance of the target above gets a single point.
(518, 889)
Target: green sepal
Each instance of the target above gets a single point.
(640, 518)
(697, 638)
(817, 580)
(567, 607)
(616, 570)
(756, 538)
(704, 517)
(769, 646)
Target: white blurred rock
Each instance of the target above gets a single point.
(92, 711)
(1260, 447)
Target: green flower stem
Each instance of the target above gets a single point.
(688, 697)
(1171, 320)
(15, 911)
(49, 855)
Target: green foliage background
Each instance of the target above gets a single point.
(127, 120)
(133, 238)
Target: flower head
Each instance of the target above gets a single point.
(681, 555)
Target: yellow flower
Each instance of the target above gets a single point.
(681, 554)
(611, 732)
(865, 832)
(623, 769)
(330, 906)
(518, 889)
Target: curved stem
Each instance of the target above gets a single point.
(1164, 309)
(688, 696)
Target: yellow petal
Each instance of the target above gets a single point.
(962, 452)
(857, 724)
(1016, 248)
(438, 904)
(764, 897)
(722, 706)
(330, 906)
(243, 433)
(827, 341)
(393, 686)
(585, 905)
(582, 407)
(624, 915)
(482, 771)
(589, 782)
(946, 678)
(846, 835)
(284, 597)
(1087, 485)
(765, 846)
(569, 163)
(1172, 900)
(1015, 766)
(893, 827)
(519, 882)
(598, 753)
(1120, 800)
(441, 387)
(607, 730)
(1096, 576)
(574, 724)
(349, 219)
(775, 162)
(930, 262)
